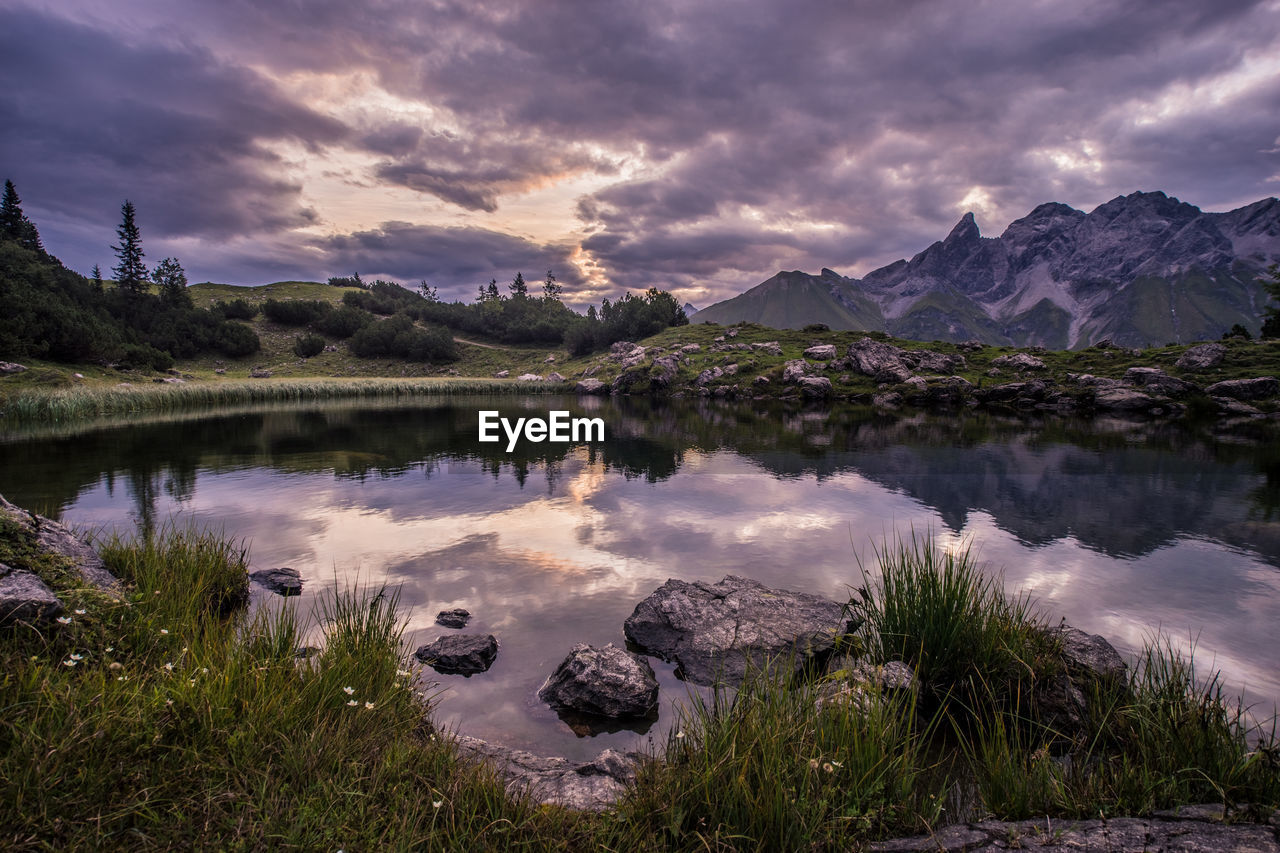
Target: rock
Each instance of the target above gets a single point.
(917, 382)
(795, 370)
(1201, 357)
(24, 597)
(715, 631)
(460, 654)
(770, 347)
(502, 374)
(859, 681)
(283, 581)
(1227, 406)
(971, 345)
(7, 367)
(1057, 835)
(259, 373)
(604, 682)
(1123, 400)
(173, 380)
(690, 348)
(1088, 380)
(821, 352)
(591, 386)
(1033, 391)
(1018, 361)
(948, 391)
(1089, 654)
(709, 375)
(331, 348)
(551, 359)
(815, 387)
(881, 361)
(529, 377)
(664, 372)
(221, 371)
(455, 618)
(554, 377)
(1258, 388)
(620, 348)
(1157, 381)
(760, 381)
(934, 362)
(585, 786)
(887, 400)
(57, 539)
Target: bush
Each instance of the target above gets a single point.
(343, 322)
(397, 337)
(145, 355)
(816, 327)
(236, 340)
(307, 346)
(295, 312)
(1237, 331)
(236, 309)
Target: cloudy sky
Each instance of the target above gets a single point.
(697, 147)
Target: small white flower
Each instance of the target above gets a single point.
(64, 620)
(169, 667)
(348, 690)
(80, 612)
(403, 673)
(168, 701)
(435, 804)
(157, 592)
(205, 670)
(76, 657)
(164, 630)
(122, 678)
(368, 706)
(353, 703)
(68, 663)
(184, 650)
(193, 682)
(679, 734)
(110, 649)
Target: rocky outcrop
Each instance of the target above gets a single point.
(282, 581)
(53, 537)
(592, 386)
(1201, 357)
(821, 352)
(1258, 388)
(934, 362)
(460, 654)
(1156, 381)
(603, 682)
(455, 618)
(1018, 361)
(815, 387)
(795, 370)
(1089, 654)
(1165, 833)
(881, 361)
(25, 598)
(584, 786)
(715, 632)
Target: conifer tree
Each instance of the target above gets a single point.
(131, 273)
(14, 224)
(550, 289)
(173, 282)
(518, 286)
(95, 276)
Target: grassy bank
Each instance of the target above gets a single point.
(164, 718)
(61, 404)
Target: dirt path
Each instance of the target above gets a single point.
(478, 344)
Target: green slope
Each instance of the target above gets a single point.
(792, 300)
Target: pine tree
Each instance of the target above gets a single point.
(96, 276)
(131, 273)
(518, 287)
(172, 279)
(492, 291)
(14, 224)
(550, 289)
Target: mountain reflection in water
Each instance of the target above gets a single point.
(1119, 528)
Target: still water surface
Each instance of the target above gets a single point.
(1121, 529)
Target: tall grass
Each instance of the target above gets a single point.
(70, 403)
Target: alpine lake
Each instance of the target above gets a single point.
(1121, 528)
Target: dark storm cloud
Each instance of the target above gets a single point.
(456, 260)
(745, 137)
(93, 120)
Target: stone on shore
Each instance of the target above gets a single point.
(815, 387)
(1201, 357)
(879, 360)
(583, 786)
(1156, 381)
(715, 632)
(55, 538)
(592, 386)
(25, 598)
(282, 581)
(460, 654)
(1258, 388)
(604, 682)
(821, 352)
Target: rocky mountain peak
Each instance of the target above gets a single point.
(966, 230)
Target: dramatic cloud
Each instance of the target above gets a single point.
(699, 147)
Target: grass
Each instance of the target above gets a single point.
(161, 717)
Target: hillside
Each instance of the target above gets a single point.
(1141, 270)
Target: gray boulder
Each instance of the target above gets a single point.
(25, 598)
(1123, 400)
(1201, 357)
(1089, 654)
(529, 377)
(716, 631)
(821, 352)
(879, 360)
(592, 386)
(934, 362)
(1018, 361)
(584, 786)
(663, 372)
(460, 654)
(815, 387)
(55, 538)
(455, 618)
(708, 375)
(7, 367)
(554, 377)
(770, 347)
(283, 581)
(689, 349)
(1156, 381)
(1259, 388)
(259, 373)
(502, 374)
(795, 370)
(604, 682)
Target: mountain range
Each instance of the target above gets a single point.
(1141, 270)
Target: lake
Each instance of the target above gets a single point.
(1121, 528)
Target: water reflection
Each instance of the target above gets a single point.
(1119, 528)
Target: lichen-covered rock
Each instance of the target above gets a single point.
(821, 352)
(282, 581)
(554, 377)
(716, 631)
(604, 682)
(934, 362)
(1123, 400)
(770, 347)
(795, 370)
(1018, 361)
(815, 387)
(1201, 357)
(54, 538)
(455, 618)
(529, 377)
(460, 654)
(881, 361)
(1258, 388)
(502, 374)
(25, 598)
(592, 386)
(584, 786)
(1156, 381)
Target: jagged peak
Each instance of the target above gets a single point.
(1156, 200)
(829, 273)
(966, 229)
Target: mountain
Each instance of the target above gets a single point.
(689, 310)
(1143, 269)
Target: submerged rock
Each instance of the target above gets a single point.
(460, 654)
(716, 631)
(282, 581)
(455, 618)
(605, 682)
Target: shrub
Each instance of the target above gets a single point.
(145, 355)
(295, 312)
(307, 346)
(397, 337)
(236, 309)
(236, 340)
(343, 322)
